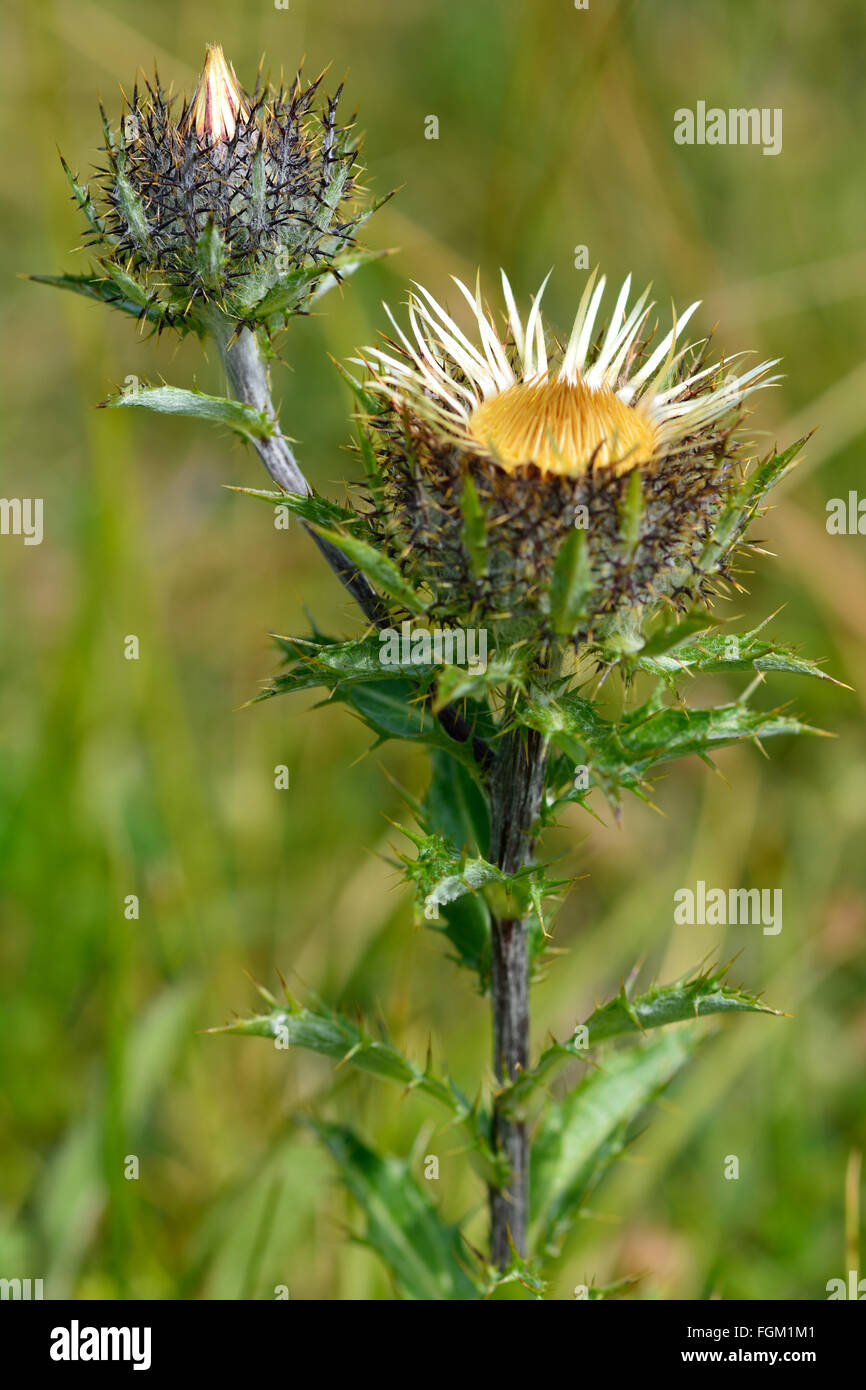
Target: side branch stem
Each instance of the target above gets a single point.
(248, 379)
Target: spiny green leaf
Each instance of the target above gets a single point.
(210, 256)
(455, 806)
(579, 1137)
(772, 470)
(672, 635)
(302, 285)
(693, 996)
(126, 283)
(620, 754)
(441, 876)
(367, 213)
(104, 291)
(745, 502)
(312, 663)
(81, 194)
(474, 527)
(465, 922)
(245, 420)
(287, 294)
(345, 265)
(520, 1279)
(632, 510)
(305, 505)
(332, 1035)
(392, 709)
(377, 566)
(369, 460)
(367, 402)
(426, 1257)
(132, 210)
(456, 683)
(718, 652)
(571, 584)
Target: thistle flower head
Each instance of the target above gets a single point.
(623, 432)
(229, 204)
(609, 400)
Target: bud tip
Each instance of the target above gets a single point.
(218, 101)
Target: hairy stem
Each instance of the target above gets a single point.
(517, 788)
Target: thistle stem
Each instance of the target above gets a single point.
(517, 789)
(248, 378)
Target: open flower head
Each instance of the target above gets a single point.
(229, 203)
(623, 431)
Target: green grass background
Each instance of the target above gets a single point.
(145, 777)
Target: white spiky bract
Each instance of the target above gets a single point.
(605, 399)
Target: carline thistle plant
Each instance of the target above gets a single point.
(584, 504)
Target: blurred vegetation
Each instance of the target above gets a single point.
(145, 777)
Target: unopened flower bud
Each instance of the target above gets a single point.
(226, 209)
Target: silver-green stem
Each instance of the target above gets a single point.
(248, 377)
